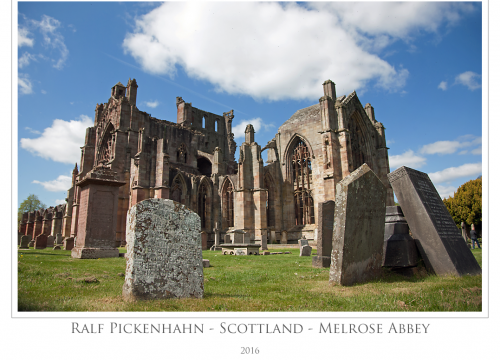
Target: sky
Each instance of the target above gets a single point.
(418, 64)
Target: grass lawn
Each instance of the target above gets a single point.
(53, 281)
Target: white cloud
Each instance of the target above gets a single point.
(445, 191)
(450, 147)
(239, 130)
(463, 152)
(60, 201)
(48, 26)
(23, 39)
(469, 79)
(390, 141)
(43, 91)
(152, 104)
(62, 183)
(443, 85)
(452, 173)
(33, 131)
(409, 158)
(24, 83)
(246, 48)
(477, 151)
(61, 142)
(25, 59)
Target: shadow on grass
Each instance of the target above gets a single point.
(41, 253)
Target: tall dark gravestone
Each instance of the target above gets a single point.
(325, 234)
(358, 229)
(438, 238)
(400, 249)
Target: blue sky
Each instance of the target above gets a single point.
(418, 64)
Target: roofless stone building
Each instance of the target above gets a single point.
(192, 161)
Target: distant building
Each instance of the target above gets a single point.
(192, 161)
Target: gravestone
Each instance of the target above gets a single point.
(325, 233)
(358, 230)
(50, 241)
(303, 242)
(59, 239)
(272, 234)
(25, 241)
(41, 241)
(164, 256)
(206, 263)
(305, 250)
(400, 249)
(264, 240)
(69, 243)
(438, 239)
(204, 240)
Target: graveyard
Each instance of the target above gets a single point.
(52, 281)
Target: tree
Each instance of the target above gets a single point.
(466, 203)
(31, 203)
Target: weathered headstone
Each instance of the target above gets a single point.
(264, 240)
(69, 243)
(325, 234)
(438, 239)
(164, 256)
(59, 239)
(303, 242)
(206, 263)
(25, 241)
(358, 230)
(50, 241)
(305, 250)
(41, 241)
(204, 240)
(400, 249)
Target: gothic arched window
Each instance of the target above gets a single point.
(176, 193)
(302, 179)
(203, 205)
(227, 205)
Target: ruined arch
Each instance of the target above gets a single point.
(204, 200)
(227, 196)
(106, 146)
(299, 162)
(289, 149)
(360, 141)
(204, 166)
(178, 189)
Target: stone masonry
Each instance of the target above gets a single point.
(192, 160)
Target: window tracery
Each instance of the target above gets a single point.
(302, 183)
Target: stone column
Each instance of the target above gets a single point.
(37, 227)
(56, 223)
(47, 223)
(98, 215)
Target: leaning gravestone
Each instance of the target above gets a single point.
(358, 230)
(325, 233)
(438, 238)
(305, 250)
(69, 243)
(164, 256)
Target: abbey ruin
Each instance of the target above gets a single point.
(129, 156)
